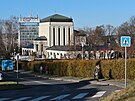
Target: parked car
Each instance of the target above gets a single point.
(1, 78)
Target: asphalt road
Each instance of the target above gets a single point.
(44, 89)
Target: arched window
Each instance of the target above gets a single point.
(41, 47)
(61, 55)
(54, 55)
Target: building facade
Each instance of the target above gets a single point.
(57, 29)
(28, 30)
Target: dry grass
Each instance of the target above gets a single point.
(7, 83)
(127, 94)
(11, 86)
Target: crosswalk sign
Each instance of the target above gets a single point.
(125, 41)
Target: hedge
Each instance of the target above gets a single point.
(83, 68)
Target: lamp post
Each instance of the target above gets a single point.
(82, 43)
(82, 49)
(14, 54)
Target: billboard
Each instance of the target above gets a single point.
(7, 65)
(29, 19)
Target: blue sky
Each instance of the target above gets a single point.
(86, 13)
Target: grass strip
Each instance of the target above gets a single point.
(11, 86)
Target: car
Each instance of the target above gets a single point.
(1, 78)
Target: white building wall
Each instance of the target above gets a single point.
(39, 43)
(46, 29)
(71, 33)
(52, 36)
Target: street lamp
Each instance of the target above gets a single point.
(82, 43)
(14, 54)
(82, 49)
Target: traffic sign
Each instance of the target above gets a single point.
(125, 41)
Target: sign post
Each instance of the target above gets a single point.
(17, 69)
(125, 42)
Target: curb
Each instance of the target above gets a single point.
(63, 79)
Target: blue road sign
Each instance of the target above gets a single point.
(125, 41)
(7, 65)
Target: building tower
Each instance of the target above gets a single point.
(28, 30)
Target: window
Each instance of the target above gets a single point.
(36, 47)
(64, 36)
(69, 36)
(59, 36)
(41, 47)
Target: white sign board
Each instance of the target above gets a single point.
(29, 19)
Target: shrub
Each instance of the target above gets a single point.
(83, 68)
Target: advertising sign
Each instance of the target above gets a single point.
(7, 65)
(29, 19)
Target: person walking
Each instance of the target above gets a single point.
(41, 69)
(97, 72)
(46, 70)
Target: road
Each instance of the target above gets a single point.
(44, 89)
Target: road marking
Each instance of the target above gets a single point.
(40, 98)
(79, 96)
(41, 82)
(60, 97)
(21, 99)
(2, 99)
(98, 94)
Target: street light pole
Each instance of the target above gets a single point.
(82, 50)
(14, 54)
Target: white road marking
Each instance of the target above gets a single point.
(80, 96)
(40, 98)
(21, 99)
(60, 97)
(3, 99)
(98, 94)
(41, 82)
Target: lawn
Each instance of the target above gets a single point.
(11, 86)
(127, 94)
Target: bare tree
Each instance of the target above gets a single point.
(128, 28)
(8, 34)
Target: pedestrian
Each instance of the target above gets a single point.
(46, 70)
(1, 77)
(97, 71)
(41, 69)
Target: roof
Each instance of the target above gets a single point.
(56, 18)
(77, 48)
(41, 38)
(79, 33)
(63, 48)
(30, 46)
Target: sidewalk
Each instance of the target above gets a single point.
(101, 82)
(91, 81)
(114, 83)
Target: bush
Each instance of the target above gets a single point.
(83, 68)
